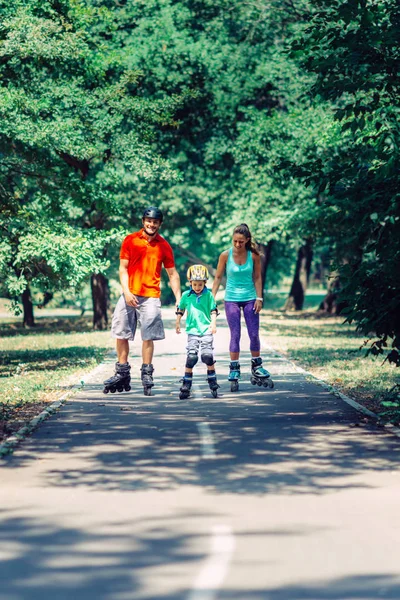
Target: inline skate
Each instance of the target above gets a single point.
(259, 375)
(234, 375)
(212, 382)
(120, 381)
(147, 378)
(185, 390)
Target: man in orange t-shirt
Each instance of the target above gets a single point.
(142, 256)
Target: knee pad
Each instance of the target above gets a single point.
(207, 359)
(191, 359)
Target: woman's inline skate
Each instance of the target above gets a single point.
(259, 375)
(234, 375)
(120, 381)
(147, 378)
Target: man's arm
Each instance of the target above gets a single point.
(175, 282)
(124, 279)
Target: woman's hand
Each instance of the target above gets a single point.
(258, 304)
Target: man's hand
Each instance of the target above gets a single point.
(213, 329)
(131, 300)
(178, 326)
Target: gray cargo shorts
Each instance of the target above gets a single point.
(202, 343)
(148, 314)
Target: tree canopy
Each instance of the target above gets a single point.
(283, 115)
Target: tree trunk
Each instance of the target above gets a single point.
(301, 277)
(29, 320)
(330, 302)
(266, 250)
(100, 298)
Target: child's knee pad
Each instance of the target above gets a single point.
(191, 359)
(207, 359)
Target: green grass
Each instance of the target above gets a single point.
(38, 365)
(331, 351)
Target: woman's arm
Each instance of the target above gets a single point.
(257, 283)
(220, 272)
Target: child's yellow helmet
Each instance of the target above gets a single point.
(197, 273)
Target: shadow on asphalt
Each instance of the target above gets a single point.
(296, 439)
(84, 563)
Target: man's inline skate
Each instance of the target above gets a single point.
(234, 375)
(120, 381)
(212, 382)
(186, 387)
(259, 375)
(147, 378)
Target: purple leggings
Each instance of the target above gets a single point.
(232, 311)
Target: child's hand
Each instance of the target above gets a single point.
(213, 329)
(178, 327)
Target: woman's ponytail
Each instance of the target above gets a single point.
(243, 229)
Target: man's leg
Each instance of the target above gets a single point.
(147, 351)
(122, 347)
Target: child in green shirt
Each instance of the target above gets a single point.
(201, 324)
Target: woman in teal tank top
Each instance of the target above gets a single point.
(242, 265)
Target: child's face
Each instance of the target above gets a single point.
(198, 286)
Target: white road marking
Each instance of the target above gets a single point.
(207, 440)
(212, 575)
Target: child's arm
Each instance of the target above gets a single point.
(179, 315)
(214, 321)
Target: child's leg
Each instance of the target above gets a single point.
(232, 311)
(192, 357)
(207, 357)
(253, 327)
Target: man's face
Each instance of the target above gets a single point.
(198, 286)
(151, 226)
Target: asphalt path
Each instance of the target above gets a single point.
(281, 494)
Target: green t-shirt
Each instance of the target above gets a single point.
(198, 311)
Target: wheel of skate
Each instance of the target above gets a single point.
(234, 386)
(270, 384)
(183, 395)
(259, 383)
(113, 390)
(106, 390)
(214, 393)
(253, 381)
(147, 391)
(120, 389)
(128, 388)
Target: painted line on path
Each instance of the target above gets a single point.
(207, 440)
(213, 573)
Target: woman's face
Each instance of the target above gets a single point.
(239, 241)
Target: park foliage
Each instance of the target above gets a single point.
(281, 114)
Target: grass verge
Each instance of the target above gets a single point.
(330, 350)
(37, 366)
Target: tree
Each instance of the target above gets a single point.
(352, 49)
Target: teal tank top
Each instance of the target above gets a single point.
(239, 280)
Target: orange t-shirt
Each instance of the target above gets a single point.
(145, 262)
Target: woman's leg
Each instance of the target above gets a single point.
(232, 311)
(253, 327)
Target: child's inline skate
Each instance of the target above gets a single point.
(120, 381)
(185, 390)
(259, 375)
(147, 378)
(212, 382)
(234, 375)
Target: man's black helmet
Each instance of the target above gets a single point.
(152, 212)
